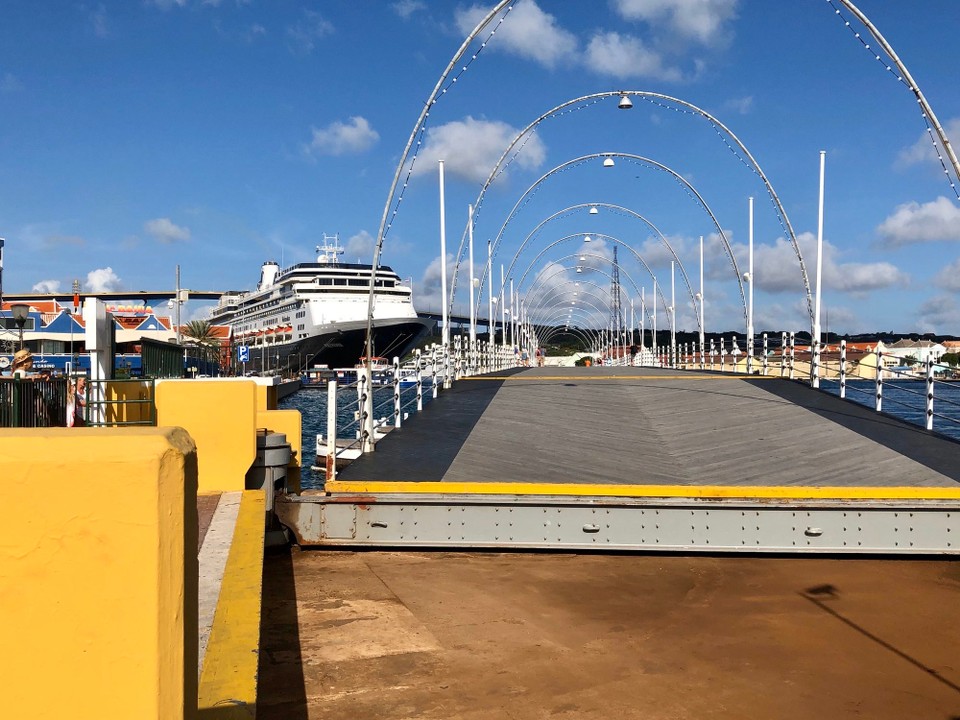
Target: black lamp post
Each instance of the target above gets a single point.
(20, 317)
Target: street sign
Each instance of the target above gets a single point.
(243, 353)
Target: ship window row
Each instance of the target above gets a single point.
(319, 291)
(353, 282)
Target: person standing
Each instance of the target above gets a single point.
(22, 366)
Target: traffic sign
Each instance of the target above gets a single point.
(243, 353)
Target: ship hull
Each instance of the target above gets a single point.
(338, 345)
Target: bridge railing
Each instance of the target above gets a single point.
(867, 375)
(359, 413)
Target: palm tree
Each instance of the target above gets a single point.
(201, 333)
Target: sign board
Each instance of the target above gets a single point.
(243, 353)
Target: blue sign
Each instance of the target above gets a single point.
(243, 353)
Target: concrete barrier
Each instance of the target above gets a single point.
(98, 573)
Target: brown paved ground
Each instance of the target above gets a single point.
(480, 636)
(206, 507)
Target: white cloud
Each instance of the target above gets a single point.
(470, 148)
(163, 230)
(700, 20)
(360, 246)
(528, 32)
(741, 106)
(939, 314)
(9, 83)
(915, 223)
(923, 150)
(167, 4)
(98, 21)
(303, 35)
(429, 287)
(625, 56)
(949, 277)
(102, 280)
(47, 287)
(778, 270)
(342, 138)
(406, 8)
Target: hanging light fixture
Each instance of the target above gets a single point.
(593, 210)
(586, 238)
(625, 103)
(608, 162)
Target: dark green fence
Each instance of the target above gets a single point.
(29, 402)
(160, 359)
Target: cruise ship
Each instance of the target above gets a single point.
(315, 314)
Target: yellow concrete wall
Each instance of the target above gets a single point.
(128, 402)
(221, 417)
(98, 573)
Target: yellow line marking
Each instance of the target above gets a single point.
(591, 378)
(228, 680)
(780, 492)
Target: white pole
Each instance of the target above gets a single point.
(503, 310)
(702, 300)
(331, 460)
(445, 335)
(473, 315)
(643, 315)
(654, 344)
(177, 301)
(750, 297)
(491, 325)
(673, 315)
(815, 366)
(513, 317)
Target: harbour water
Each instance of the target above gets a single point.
(312, 404)
(905, 399)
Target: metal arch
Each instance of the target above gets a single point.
(562, 294)
(586, 343)
(558, 267)
(551, 332)
(913, 87)
(598, 235)
(403, 161)
(639, 158)
(590, 302)
(697, 110)
(530, 293)
(583, 314)
(581, 340)
(635, 214)
(497, 9)
(590, 297)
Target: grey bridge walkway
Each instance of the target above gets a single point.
(636, 457)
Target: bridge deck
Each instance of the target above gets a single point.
(591, 428)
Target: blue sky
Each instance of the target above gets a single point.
(137, 135)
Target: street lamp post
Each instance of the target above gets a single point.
(20, 312)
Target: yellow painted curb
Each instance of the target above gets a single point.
(769, 492)
(228, 681)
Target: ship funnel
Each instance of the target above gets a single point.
(268, 275)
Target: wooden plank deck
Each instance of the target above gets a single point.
(643, 426)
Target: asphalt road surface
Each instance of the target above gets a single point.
(357, 635)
